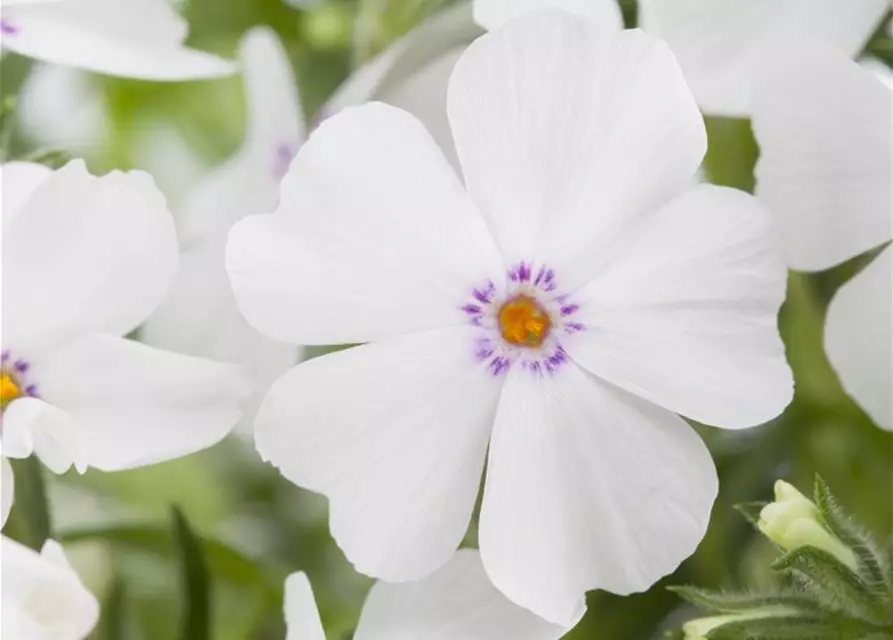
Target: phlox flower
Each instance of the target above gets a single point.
(129, 38)
(456, 602)
(85, 260)
(551, 316)
(823, 124)
(42, 595)
(719, 43)
(199, 315)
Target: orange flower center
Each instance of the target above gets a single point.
(523, 322)
(9, 390)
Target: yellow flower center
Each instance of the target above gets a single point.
(9, 390)
(523, 322)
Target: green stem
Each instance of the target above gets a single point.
(31, 504)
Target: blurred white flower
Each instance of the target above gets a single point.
(85, 260)
(719, 42)
(42, 595)
(456, 602)
(823, 124)
(130, 38)
(199, 315)
(7, 489)
(562, 309)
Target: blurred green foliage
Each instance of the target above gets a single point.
(254, 527)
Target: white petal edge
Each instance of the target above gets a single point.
(685, 316)
(301, 614)
(86, 254)
(42, 595)
(859, 338)
(492, 14)
(456, 601)
(826, 167)
(138, 39)
(33, 426)
(592, 488)
(136, 405)
(374, 237)
(394, 433)
(566, 136)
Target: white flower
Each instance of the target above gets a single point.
(562, 308)
(720, 42)
(457, 602)
(492, 14)
(826, 173)
(199, 315)
(85, 260)
(129, 38)
(42, 595)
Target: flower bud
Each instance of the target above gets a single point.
(794, 521)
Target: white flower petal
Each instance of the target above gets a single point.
(43, 596)
(374, 237)
(20, 179)
(456, 602)
(719, 42)
(859, 338)
(301, 614)
(64, 108)
(394, 433)
(134, 39)
(199, 317)
(492, 14)
(566, 137)
(136, 405)
(31, 425)
(249, 182)
(588, 487)
(826, 163)
(685, 315)
(7, 491)
(86, 254)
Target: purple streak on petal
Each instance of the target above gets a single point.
(7, 28)
(5, 355)
(31, 390)
(284, 154)
(524, 272)
(472, 309)
(499, 365)
(485, 296)
(21, 366)
(569, 309)
(574, 327)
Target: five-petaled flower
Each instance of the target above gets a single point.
(85, 260)
(551, 316)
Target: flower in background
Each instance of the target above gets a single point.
(719, 42)
(560, 310)
(129, 38)
(825, 167)
(43, 596)
(457, 601)
(85, 260)
(199, 315)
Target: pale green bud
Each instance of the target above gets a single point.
(794, 521)
(699, 628)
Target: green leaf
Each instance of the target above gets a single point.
(112, 622)
(52, 158)
(751, 510)
(194, 579)
(873, 562)
(223, 560)
(726, 602)
(31, 505)
(789, 628)
(833, 583)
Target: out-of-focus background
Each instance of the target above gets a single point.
(260, 527)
